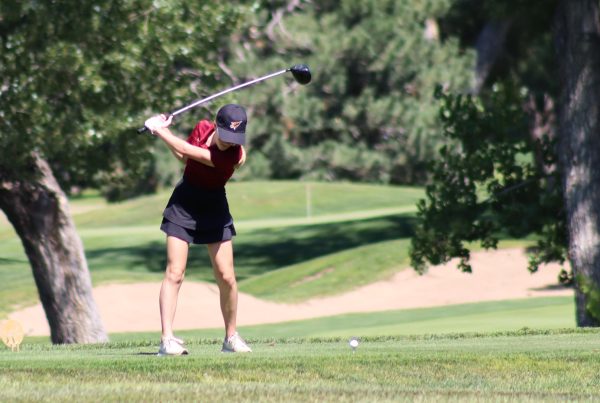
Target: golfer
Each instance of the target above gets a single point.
(198, 213)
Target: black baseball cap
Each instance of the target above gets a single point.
(231, 124)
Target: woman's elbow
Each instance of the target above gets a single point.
(183, 150)
(180, 149)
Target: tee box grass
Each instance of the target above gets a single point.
(560, 365)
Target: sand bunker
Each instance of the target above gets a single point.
(497, 275)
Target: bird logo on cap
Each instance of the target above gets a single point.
(235, 125)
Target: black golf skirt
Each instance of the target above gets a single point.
(198, 216)
(198, 237)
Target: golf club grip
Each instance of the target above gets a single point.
(145, 129)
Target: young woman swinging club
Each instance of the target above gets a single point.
(198, 213)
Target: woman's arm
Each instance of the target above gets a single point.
(182, 150)
(181, 147)
(180, 157)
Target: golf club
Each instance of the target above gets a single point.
(301, 74)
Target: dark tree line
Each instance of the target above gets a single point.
(509, 167)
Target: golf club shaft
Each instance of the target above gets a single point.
(218, 94)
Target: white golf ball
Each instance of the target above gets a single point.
(353, 343)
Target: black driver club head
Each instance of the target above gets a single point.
(301, 73)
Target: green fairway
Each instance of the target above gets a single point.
(490, 316)
(557, 365)
(330, 274)
(494, 316)
(254, 201)
(295, 226)
(284, 258)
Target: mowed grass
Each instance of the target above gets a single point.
(280, 224)
(550, 313)
(253, 201)
(524, 365)
(328, 274)
(290, 250)
(492, 316)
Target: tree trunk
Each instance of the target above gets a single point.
(577, 37)
(490, 45)
(39, 211)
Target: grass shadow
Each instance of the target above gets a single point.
(263, 250)
(266, 250)
(7, 261)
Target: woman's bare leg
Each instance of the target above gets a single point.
(221, 256)
(177, 253)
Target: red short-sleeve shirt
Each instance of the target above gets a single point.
(204, 176)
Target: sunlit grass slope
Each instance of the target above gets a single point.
(280, 224)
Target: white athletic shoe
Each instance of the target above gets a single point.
(235, 344)
(171, 346)
(178, 340)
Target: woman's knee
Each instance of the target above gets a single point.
(175, 273)
(226, 278)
